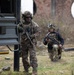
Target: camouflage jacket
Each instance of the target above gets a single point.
(32, 29)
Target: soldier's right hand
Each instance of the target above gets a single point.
(48, 40)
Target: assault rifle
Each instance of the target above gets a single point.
(28, 36)
(53, 40)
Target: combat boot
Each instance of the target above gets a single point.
(34, 72)
(26, 66)
(27, 69)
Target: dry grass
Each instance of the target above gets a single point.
(65, 66)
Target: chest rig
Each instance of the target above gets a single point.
(53, 37)
(28, 28)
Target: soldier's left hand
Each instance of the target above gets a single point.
(60, 46)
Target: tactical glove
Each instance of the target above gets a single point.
(32, 36)
(20, 29)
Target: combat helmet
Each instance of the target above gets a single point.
(51, 26)
(26, 14)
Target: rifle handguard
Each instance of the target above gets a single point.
(32, 36)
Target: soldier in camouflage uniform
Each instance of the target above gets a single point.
(29, 31)
(49, 40)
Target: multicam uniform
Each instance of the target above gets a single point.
(28, 45)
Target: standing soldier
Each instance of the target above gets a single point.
(53, 37)
(29, 31)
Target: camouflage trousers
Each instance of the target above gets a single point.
(59, 51)
(29, 51)
(51, 54)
